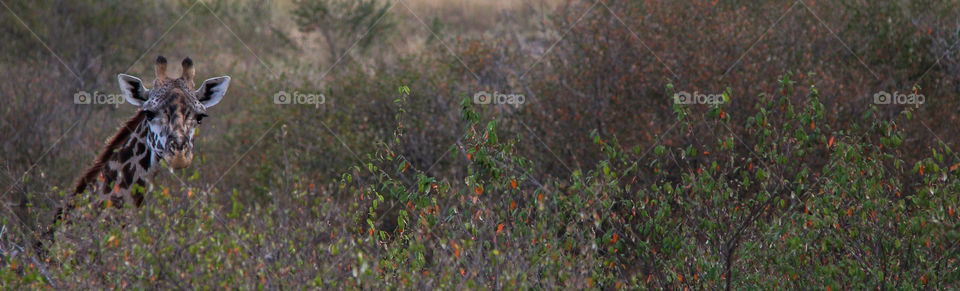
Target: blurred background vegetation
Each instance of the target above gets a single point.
(597, 181)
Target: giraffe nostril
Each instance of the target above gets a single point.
(179, 144)
(176, 145)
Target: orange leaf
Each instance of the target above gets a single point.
(500, 228)
(830, 143)
(479, 190)
(513, 183)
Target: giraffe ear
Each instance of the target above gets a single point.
(132, 89)
(212, 90)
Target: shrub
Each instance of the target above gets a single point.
(341, 22)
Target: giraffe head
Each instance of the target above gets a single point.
(173, 109)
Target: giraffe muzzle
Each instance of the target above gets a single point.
(180, 154)
(181, 159)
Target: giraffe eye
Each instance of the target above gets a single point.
(150, 115)
(200, 118)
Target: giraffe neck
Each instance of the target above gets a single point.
(122, 172)
(127, 162)
(130, 165)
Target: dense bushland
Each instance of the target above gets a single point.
(798, 180)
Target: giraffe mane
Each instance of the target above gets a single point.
(115, 142)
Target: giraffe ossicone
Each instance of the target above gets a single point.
(162, 130)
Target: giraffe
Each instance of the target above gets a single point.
(162, 130)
